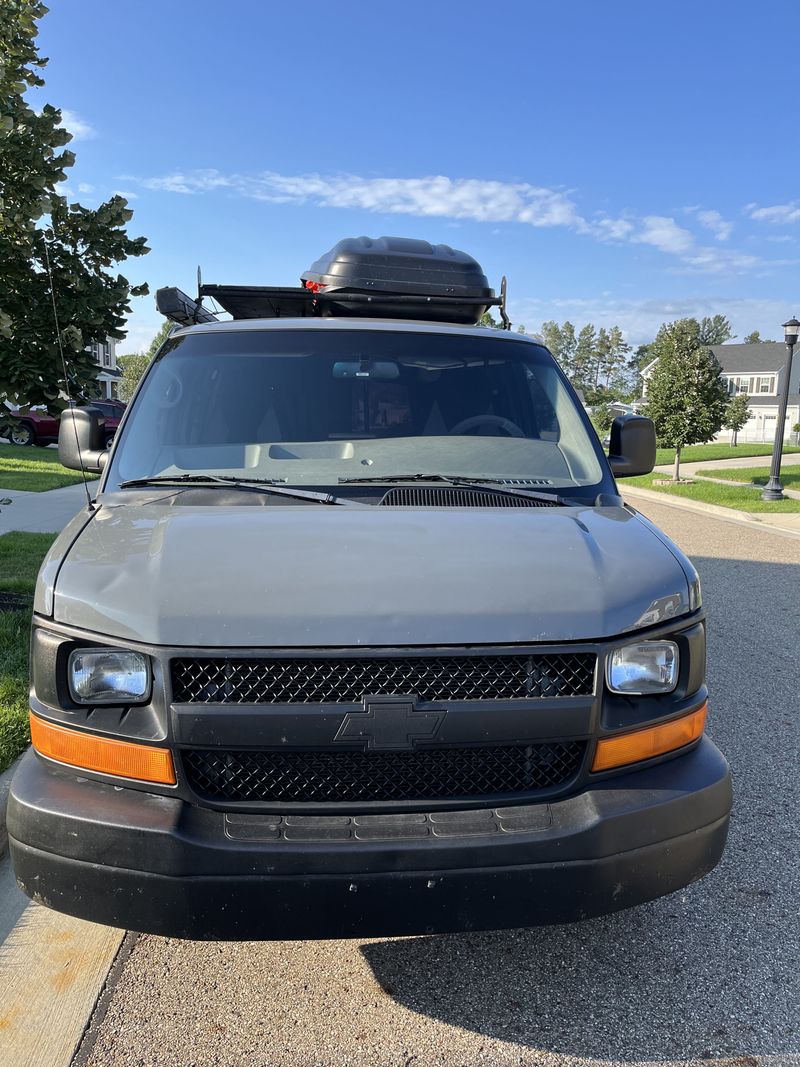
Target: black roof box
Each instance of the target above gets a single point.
(398, 277)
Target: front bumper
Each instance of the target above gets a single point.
(158, 864)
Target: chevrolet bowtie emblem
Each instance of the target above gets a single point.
(389, 724)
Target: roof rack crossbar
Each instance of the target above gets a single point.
(340, 296)
(176, 306)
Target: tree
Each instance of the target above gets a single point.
(36, 225)
(755, 338)
(618, 348)
(487, 320)
(133, 366)
(584, 358)
(715, 331)
(686, 397)
(561, 342)
(736, 415)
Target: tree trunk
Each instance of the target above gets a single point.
(677, 472)
(734, 437)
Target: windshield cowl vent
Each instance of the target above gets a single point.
(452, 496)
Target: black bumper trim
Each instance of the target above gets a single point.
(378, 905)
(157, 864)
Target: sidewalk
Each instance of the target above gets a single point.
(42, 512)
(792, 460)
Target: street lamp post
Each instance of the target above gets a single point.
(773, 489)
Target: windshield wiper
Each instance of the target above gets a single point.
(255, 485)
(491, 485)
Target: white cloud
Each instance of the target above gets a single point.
(612, 229)
(78, 127)
(777, 213)
(84, 187)
(665, 234)
(715, 260)
(198, 181)
(453, 198)
(478, 200)
(713, 221)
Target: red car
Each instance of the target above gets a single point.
(38, 427)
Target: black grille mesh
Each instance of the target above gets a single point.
(456, 497)
(348, 777)
(338, 680)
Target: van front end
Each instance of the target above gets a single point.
(359, 638)
(353, 792)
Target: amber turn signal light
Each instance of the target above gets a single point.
(103, 754)
(652, 741)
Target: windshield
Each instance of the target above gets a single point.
(318, 407)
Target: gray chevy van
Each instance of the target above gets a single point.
(358, 637)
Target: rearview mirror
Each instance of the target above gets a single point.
(377, 370)
(81, 440)
(633, 446)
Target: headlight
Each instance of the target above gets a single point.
(646, 667)
(105, 676)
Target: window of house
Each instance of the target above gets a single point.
(765, 385)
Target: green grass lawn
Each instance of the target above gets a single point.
(33, 470)
(790, 476)
(20, 557)
(701, 453)
(726, 496)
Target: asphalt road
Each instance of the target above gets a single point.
(708, 975)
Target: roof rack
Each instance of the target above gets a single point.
(389, 277)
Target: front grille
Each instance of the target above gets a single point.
(456, 497)
(347, 680)
(350, 777)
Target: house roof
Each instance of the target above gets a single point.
(771, 400)
(766, 356)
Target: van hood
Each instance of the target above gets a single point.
(309, 577)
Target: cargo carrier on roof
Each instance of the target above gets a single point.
(358, 637)
(386, 277)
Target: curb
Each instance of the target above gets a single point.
(5, 786)
(731, 514)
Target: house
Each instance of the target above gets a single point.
(757, 370)
(104, 354)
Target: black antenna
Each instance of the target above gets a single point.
(89, 503)
(199, 295)
(503, 313)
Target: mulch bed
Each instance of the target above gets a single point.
(15, 602)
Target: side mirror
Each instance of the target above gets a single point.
(81, 440)
(633, 446)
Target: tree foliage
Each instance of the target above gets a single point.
(36, 223)
(715, 330)
(686, 396)
(133, 366)
(755, 338)
(736, 414)
(592, 359)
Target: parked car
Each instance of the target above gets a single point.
(359, 638)
(38, 427)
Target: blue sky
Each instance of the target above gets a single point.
(622, 162)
